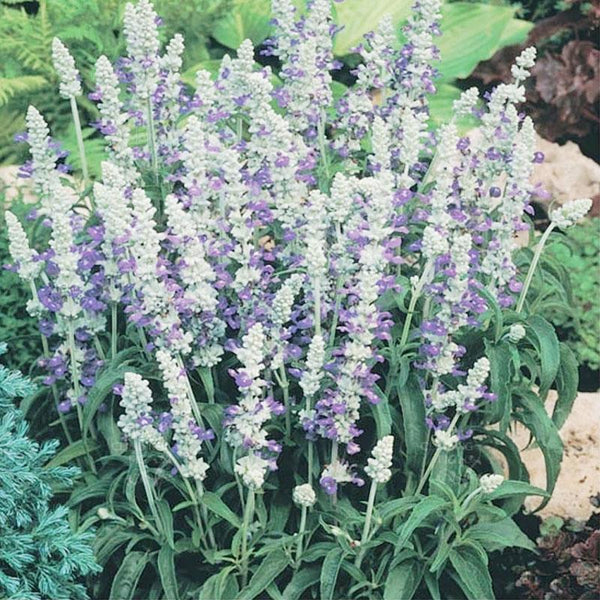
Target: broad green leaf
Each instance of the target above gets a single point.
(272, 565)
(499, 535)
(300, 581)
(533, 415)
(422, 511)
(358, 17)
(471, 32)
(567, 382)
(440, 107)
(543, 337)
(381, 414)
(433, 585)
(126, 579)
(472, 572)
(166, 519)
(496, 311)
(391, 508)
(103, 386)
(515, 32)
(73, 451)
(500, 377)
(412, 404)
(329, 572)
(448, 468)
(216, 505)
(403, 580)
(166, 570)
(247, 19)
(218, 584)
(516, 488)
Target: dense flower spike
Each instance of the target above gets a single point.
(378, 467)
(137, 421)
(70, 84)
(28, 264)
(490, 482)
(568, 214)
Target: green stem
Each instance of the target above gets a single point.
(322, 147)
(366, 529)
(80, 146)
(285, 388)
(152, 138)
(139, 456)
(435, 458)
(413, 301)
(46, 353)
(211, 535)
(113, 329)
(533, 265)
(76, 390)
(299, 543)
(248, 514)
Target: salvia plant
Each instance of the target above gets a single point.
(286, 334)
(40, 556)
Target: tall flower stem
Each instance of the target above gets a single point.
(80, 146)
(113, 329)
(248, 514)
(285, 388)
(435, 458)
(533, 265)
(139, 457)
(46, 353)
(76, 390)
(302, 527)
(367, 526)
(413, 301)
(152, 138)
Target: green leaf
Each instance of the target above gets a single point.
(412, 404)
(533, 415)
(358, 17)
(272, 565)
(391, 508)
(300, 581)
(471, 32)
(218, 585)
(515, 32)
(567, 382)
(166, 518)
(423, 510)
(126, 579)
(403, 580)
(472, 572)
(216, 505)
(73, 451)
(329, 572)
(500, 377)
(247, 19)
(103, 387)
(166, 570)
(543, 338)
(499, 535)
(511, 488)
(381, 414)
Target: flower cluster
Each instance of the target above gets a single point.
(295, 250)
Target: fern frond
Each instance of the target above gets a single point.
(15, 86)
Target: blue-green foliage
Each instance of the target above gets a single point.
(40, 557)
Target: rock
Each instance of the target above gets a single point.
(579, 477)
(566, 173)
